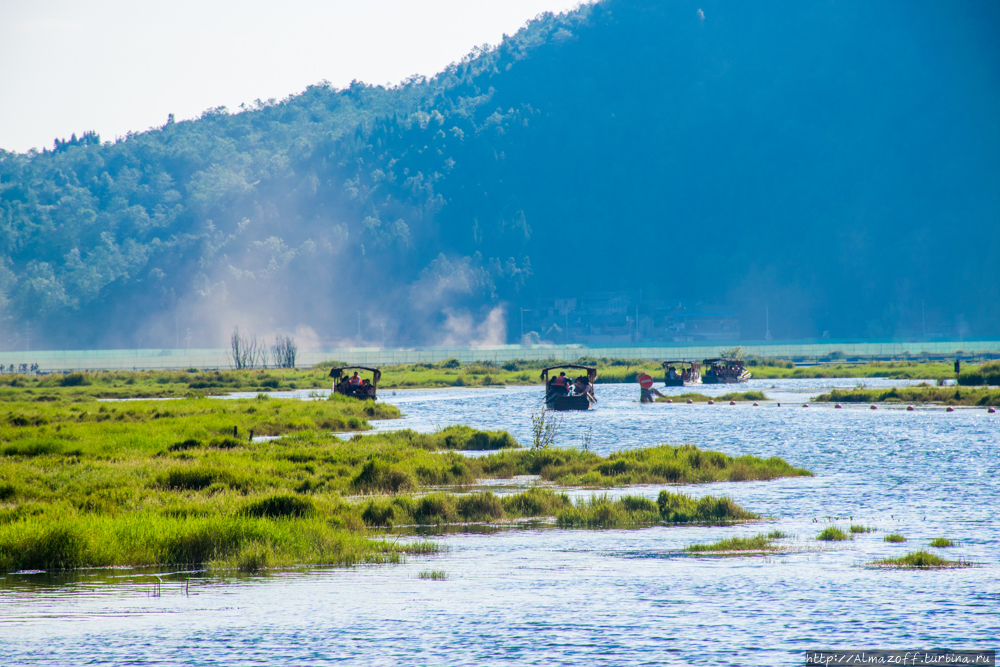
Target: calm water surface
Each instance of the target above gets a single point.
(602, 597)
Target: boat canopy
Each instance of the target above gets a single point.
(339, 371)
(591, 371)
(679, 361)
(724, 360)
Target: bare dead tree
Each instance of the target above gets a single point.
(245, 353)
(283, 351)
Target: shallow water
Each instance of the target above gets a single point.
(604, 597)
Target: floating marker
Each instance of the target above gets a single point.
(755, 405)
(909, 408)
(670, 400)
(991, 410)
(779, 405)
(874, 407)
(950, 409)
(732, 402)
(690, 401)
(837, 406)
(711, 402)
(805, 405)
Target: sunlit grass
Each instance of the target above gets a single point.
(920, 560)
(832, 534)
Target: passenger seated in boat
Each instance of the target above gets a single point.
(560, 385)
(672, 373)
(366, 388)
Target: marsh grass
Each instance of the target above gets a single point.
(894, 538)
(760, 543)
(858, 528)
(976, 396)
(149, 482)
(941, 543)
(669, 508)
(920, 560)
(832, 534)
(434, 575)
(702, 398)
(985, 374)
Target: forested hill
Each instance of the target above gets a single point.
(838, 161)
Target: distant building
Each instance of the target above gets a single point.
(624, 317)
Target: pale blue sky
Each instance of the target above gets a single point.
(119, 65)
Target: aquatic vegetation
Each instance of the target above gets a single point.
(669, 508)
(142, 482)
(757, 543)
(434, 575)
(985, 374)
(702, 398)
(832, 534)
(662, 464)
(941, 543)
(777, 535)
(858, 528)
(919, 394)
(894, 538)
(921, 560)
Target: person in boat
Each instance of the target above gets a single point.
(672, 373)
(366, 388)
(560, 384)
(685, 375)
(355, 380)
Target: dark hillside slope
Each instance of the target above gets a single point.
(837, 161)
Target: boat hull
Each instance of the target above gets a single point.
(716, 379)
(564, 402)
(677, 382)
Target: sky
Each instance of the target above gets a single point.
(116, 66)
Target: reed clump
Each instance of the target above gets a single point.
(702, 398)
(434, 575)
(920, 560)
(832, 534)
(669, 508)
(858, 528)
(941, 543)
(894, 538)
(755, 544)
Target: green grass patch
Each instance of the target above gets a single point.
(434, 575)
(832, 534)
(87, 483)
(920, 560)
(975, 396)
(984, 374)
(858, 528)
(941, 543)
(894, 538)
(702, 398)
(756, 544)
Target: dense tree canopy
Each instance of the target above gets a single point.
(838, 161)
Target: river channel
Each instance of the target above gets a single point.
(547, 596)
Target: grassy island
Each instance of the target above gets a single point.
(89, 483)
(973, 396)
(919, 560)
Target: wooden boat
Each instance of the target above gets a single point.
(724, 371)
(557, 399)
(682, 377)
(368, 390)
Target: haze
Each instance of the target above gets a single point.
(115, 66)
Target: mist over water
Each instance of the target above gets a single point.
(603, 597)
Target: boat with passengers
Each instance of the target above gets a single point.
(681, 373)
(564, 393)
(354, 385)
(724, 371)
